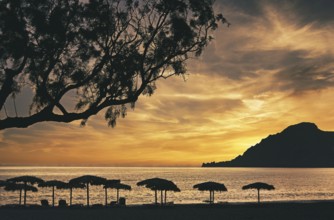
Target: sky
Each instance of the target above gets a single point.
(273, 67)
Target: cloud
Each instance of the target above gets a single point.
(3, 144)
(265, 38)
(272, 68)
(307, 74)
(315, 10)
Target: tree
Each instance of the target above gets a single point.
(102, 53)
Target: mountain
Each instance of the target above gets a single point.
(300, 145)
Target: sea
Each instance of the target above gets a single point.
(291, 184)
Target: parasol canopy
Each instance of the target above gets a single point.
(20, 187)
(53, 184)
(258, 186)
(25, 180)
(211, 187)
(159, 184)
(88, 180)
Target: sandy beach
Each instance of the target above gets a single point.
(281, 210)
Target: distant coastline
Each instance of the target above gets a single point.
(222, 165)
(302, 145)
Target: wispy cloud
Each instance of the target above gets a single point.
(272, 68)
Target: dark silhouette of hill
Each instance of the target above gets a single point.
(300, 145)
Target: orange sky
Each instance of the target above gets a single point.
(272, 68)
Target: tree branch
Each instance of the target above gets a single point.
(47, 115)
(6, 88)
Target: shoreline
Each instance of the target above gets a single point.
(303, 210)
(314, 201)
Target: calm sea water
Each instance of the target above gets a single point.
(290, 184)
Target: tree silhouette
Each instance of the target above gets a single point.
(102, 53)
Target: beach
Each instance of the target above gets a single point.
(310, 210)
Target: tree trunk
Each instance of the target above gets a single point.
(213, 196)
(117, 196)
(210, 199)
(87, 194)
(6, 88)
(20, 196)
(53, 196)
(165, 196)
(258, 196)
(106, 193)
(70, 196)
(25, 193)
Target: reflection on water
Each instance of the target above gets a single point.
(290, 184)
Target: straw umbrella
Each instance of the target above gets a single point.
(88, 180)
(25, 180)
(258, 186)
(159, 184)
(53, 184)
(169, 186)
(20, 187)
(150, 181)
(109, 184)
(118, 186)
(3, 183)
(211, 187)
(71, 186)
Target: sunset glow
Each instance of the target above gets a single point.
(273, 67)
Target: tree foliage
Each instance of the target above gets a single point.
(101, 53)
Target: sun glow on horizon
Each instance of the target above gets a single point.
(269, 70)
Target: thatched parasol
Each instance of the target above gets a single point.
(211, 187)
(53, 184)
(148, 182)
(117, 186)
(20, 187)
(259, 186)
(170, 186)
(159, 184)
(25, 180)
(72, 186)
(88, 180)
(3, 183)
(108, 184)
